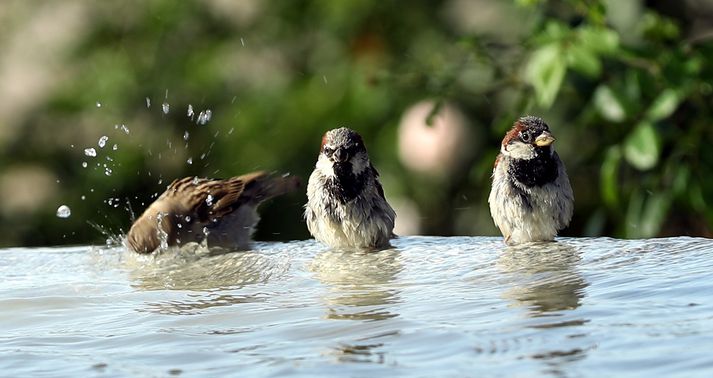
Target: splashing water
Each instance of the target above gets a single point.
(123, 128)
(204, 117)
(102, 141)
(64, 211)
(90, 152)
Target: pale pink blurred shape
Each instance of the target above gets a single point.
(437, 149)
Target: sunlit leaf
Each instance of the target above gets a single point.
(641, 148)
(545, 71)
(608, 105)
(599, 40)
(583, 60)
(664, 105)
(609, 174)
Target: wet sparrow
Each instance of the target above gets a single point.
(531, 198)
(193, 209)
(346, 206)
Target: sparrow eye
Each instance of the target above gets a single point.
(525, 137)
(328, 151)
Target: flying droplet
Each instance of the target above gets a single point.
(102, 141)
(64, 211)
(108, 171)
(90, 152)
(99, 104)
(165, 107)
(209, 200)
(189, 161)
(84, 164)
(185, 136)
(148, 102)
(115, 147)
(190, 111)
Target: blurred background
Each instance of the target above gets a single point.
(104, 103)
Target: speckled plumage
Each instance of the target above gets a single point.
(346, 206)
(194, 209)
(531, 198)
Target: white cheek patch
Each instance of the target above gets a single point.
(518, 150)
(324, 166)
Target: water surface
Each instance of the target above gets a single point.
(432, 306)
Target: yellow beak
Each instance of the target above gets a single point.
(544, 139)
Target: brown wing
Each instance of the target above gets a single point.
(192, 200)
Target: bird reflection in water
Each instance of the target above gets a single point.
(211, 273)
(358, 283)
(544, 279)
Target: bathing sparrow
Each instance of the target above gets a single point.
(193, 209)
(531, 198)
(346, 206)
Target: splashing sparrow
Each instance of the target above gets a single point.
(193, 209)
(531, 198)
(346, 206)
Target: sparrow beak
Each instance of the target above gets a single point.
(544, 139)
(340, 155)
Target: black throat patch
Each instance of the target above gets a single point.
(345, 186)
(540, 170)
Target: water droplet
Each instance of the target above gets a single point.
(190, 160)
(165, 107)
(102, 141)
(209, 200)
(99, 104)
(242, 41)
(324, 77)
(115, 147)
(108, 171)
(190, 111)
(204, 117)
(84, 164)
(187, 218)
(195, 180)
(231, 130)
(179, 225)
(185, 135)
(90, 152)
(64, 211)
(125, 129)
(148, 102)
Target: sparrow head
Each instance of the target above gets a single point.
(342, 152)
(529, 137)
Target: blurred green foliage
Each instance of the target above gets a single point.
(625, 86)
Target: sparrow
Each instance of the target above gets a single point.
(194, 209)
(531, 198)
(346, 206)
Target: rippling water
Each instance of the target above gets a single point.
(432, 306)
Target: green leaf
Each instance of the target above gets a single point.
(584, 61)
(608, 104)
(641, 148)
(609, 177)
(545, 71)
(599, 40)
(655, 210)
(664, 105)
